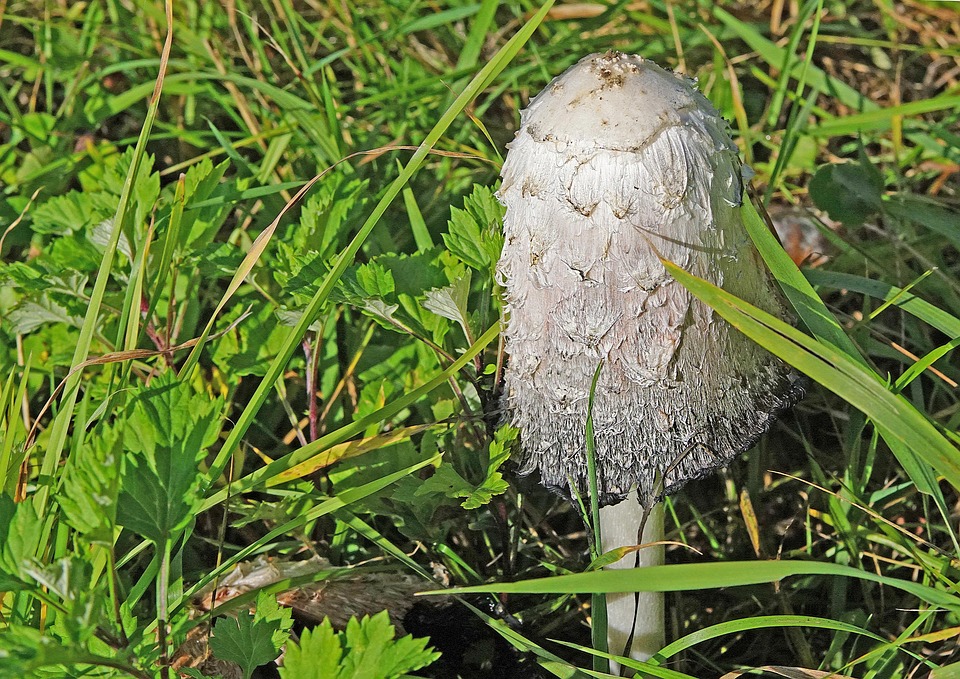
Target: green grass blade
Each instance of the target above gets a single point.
(61, 422)
(776, 56)
(926, 312)
(689, 577)
(882, 119)
(804, 299)
(598, 602)
(759, 622)
(897, 420)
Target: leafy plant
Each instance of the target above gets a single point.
(203, 359)
(251, 640)
(367, 649)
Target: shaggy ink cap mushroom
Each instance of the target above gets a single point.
(615, 162)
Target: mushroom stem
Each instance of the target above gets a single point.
(637, 613)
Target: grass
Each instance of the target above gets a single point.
(255, 316)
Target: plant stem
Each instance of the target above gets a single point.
(635, 620)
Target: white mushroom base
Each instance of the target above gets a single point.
(639, 613)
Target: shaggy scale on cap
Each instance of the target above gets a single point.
(615, 161)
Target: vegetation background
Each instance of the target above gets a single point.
(205, 362)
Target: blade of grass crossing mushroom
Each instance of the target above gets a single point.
(635, 619)
(598, 602)
(894, 416)
(690, 577)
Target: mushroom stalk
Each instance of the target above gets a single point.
(618, 163)
(635, 620)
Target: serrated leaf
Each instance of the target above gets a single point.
(298, 273)
(494, 484)
(199, 225)
(91, 484)
(451, 302)
(474, 233)
(69, 578)
(25, 652)
(372, 652)
(166, 436)
(34, 313)
(317, 656)
(245, 641)
(270, 611)
(100, 236)
(445, 481)
(326, 213)
(375, 280)
(382, 312)
(365, 641)
(73, 212)
(248, 348)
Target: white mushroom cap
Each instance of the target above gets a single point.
(615, 161)
(617, 102)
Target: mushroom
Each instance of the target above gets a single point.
(618, 163)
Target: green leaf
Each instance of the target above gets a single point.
(849, 192)
(91, 484)
(73, 212)
(445, 481)
(951, 671)
(245, 640)
(375, 280)
(200, 224)
(270, 611)
(473, 233)
(248, 349)
(24, 651)
(494, 483)
(328, 212)
(366, 650)
(69, 578)
(32, 314)
(166, 436)
(451, 302)
(317, 656)
(19, 538)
